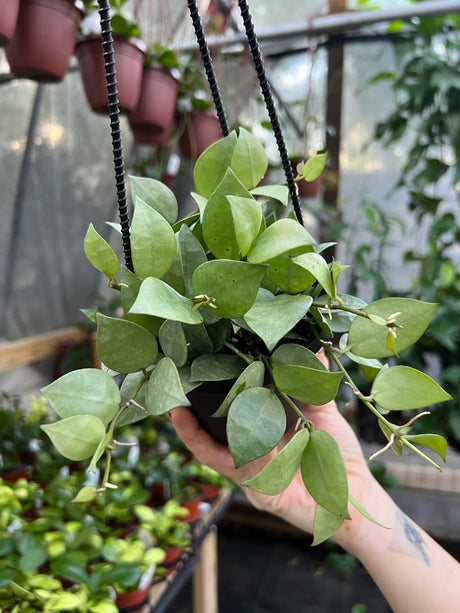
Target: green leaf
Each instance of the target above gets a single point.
(76, 437)
(100, 253)
(246, 217)
(317, 266)
(274, 316)
(173, 342)
(156, 298)
(130, 385)
(325, 524)
(256, 422)
(369, 340)
(213, 163)
(65, 601)
(314, 167)
(296, 355)
(232, 284)
(273, 192)
(434, 442)
(252, 376)
(156, 194)
(123, 345)
(289, 274)
(275, 476)
(153, 243)
(249, 160)
(218, 227)
(87, 391)
(33, 558)
(307, 384)
(72, 566)
(363, 511)
(216, 367)
(324, 473)
(191, 255)
(284, 236)
(164, 391)
(86, 494)
(401, 388)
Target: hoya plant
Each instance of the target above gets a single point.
(238, 294)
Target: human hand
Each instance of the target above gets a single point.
(294, 504)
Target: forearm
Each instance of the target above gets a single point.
(412, 571)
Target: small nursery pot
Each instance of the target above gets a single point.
(207, 398)
(133, 602)
(9, 10)
(44, 39)
(153, 119)
(129, 54)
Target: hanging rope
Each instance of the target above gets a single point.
(270, 105)
(207, 63)
(114, 114)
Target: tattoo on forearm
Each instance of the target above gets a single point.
(414, 537)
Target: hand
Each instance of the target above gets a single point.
(294, 505)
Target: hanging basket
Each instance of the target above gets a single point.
(129, 55)
(201, 130)
(152, 121)
(44, 39)
(9, 10)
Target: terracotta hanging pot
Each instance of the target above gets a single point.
(201, 130)
(44, 39)
(153, 120)
(9, 10)
(129, 54)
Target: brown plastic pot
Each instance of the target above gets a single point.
(153, 119)
(44, 39)
(201, 130)
(9, 10)
(129, 55)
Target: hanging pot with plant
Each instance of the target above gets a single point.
(9, 10)
(152, 121)
(44, 40)
(232, 293)
(201, 130)
(129, 57)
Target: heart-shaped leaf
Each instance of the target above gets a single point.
(433, 441)
(218, 227)
(173, 342)
(153, 243)
(76, 437)
(156, 194)
(246, 217)
(275, 476)
(324, 473)
(297, 355)
(317, 266)
(191, 255)
(306, 384)
(256, 422)
(216, 367)
(283, 236)
(325, 524)
(273, 192)
(100, 253)
(249, 160)
(87, 391)
(124, 346)
(232, 284)
(213, 163)
(314, 166)
(156, 298)
(369, 340)
(164, 391)
(289, 274)
(402, 388)
(274, 317)
(252, 376)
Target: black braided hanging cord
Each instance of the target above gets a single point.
(208, 66)
(270, 105)
(114, 114)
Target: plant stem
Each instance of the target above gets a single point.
(341, 307)
(241, 355)
(420, 453)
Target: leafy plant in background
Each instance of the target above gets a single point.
(426, 86)
(233, 295)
